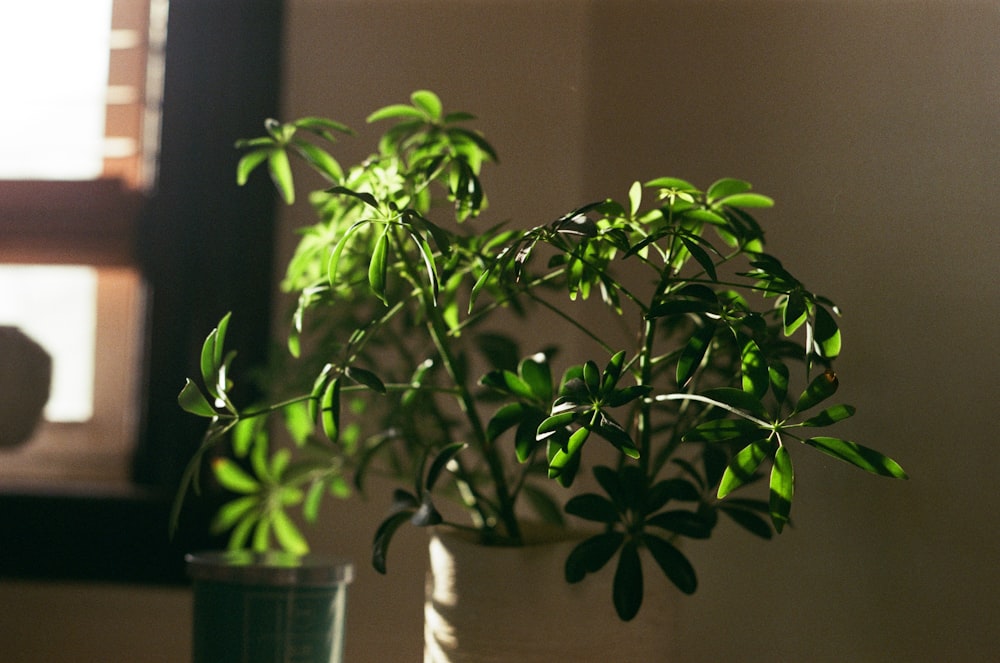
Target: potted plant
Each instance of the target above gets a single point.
(695, 357)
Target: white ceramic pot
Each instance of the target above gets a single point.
(486, 603)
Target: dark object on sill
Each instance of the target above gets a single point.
(25, 380)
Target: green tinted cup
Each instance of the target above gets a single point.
(268, 608)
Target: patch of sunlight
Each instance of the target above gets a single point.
(53, 83)
(56, 305)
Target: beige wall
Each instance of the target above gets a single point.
(875, 126)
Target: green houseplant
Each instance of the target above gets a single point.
(710, 366)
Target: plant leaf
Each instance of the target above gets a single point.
(827, 334)
(719, 430)
(232, 477)
(820, 388)
(782, 488)
(192, 400)
(693, 353)
(830, 415)
(287, 533)
(867, 459)
(794, 312)
(726, 187)
(248, 162)
(366, 378)
(281, 174)
(428, 102)
(738, 399)
(753, 369)
(383, 536)
(330, 410)
(441, 462)
(743, 466)
(378, 267)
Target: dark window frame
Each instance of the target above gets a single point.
(204, 247)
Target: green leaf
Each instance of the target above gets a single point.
(867, 459)
(634, 199)
(726, 187)
(287, 534)
(592, 377)
(428, 102)
(281, 174)
(747, 200)
(192, 400)
(556, 423)
(795, 312)
(627, 585)
(383, 536)
(782, 488)
(504, 419)
(737, 398)
(378, 268)
(212, 360)
(753, 369)
(322, 126)
(829, 416)
(778, 372)
(562, 457)
(231, 512)
(720, 430)
(827, 334)
(743, 466)
(248, 162)
(596, 508)
(320, 160)
(693, 353)
(313, 499)
(701, 256)
(822, 387)
(536, 373)
(366, 378)
(508, 383)
(612, 372)
(330, 410)
(363, 196)
(232, 477)
(673, 563)
(396, 111)
(441, 462)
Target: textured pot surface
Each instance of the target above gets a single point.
(268, 608)
(488, 604)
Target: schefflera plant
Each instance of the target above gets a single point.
(400, 290)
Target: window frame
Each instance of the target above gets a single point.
(204, 247)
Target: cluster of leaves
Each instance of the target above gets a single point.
(391, 317)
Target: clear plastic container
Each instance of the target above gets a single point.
(268, 608)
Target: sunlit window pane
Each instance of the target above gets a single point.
(56, 306)
(53, 83)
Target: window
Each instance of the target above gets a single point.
(201, 246)
(80, 129)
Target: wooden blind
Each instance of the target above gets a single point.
(135, 83)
